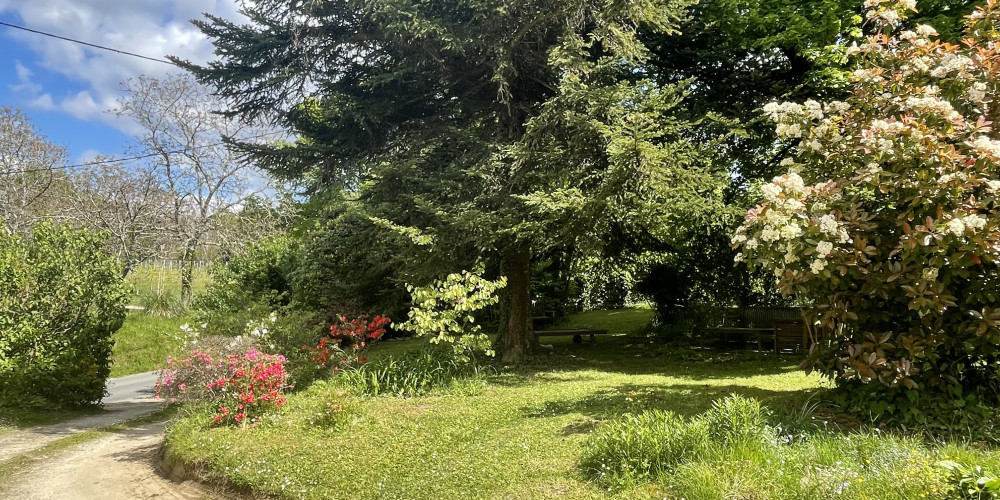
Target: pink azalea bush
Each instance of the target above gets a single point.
(889, 214)
(242, 387)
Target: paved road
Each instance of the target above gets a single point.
(129, 398)
(131, 389)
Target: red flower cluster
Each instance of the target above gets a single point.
(347, 340)
(255, 383)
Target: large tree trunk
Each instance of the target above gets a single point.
(520, 338)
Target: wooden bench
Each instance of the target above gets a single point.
(757, 323)
(577, 333)
(790, 335)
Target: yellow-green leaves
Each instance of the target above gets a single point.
(443, 311)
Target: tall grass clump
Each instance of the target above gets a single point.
(162, 303)
(738, 421)
(639, 448)
(409, 374)
(734, 451)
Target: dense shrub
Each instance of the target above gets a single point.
(344, 345)
(889, 217)
(444, 311)
(348, 265)
(62, 298)
(257, 277)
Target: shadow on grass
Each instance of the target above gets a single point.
(26, 417)
(683, 399)
(621, 355)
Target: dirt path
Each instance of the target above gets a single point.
(17, 443)
(120, 465)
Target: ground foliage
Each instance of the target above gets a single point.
(542, 430)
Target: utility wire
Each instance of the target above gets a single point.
(164, 61)
(128, 159)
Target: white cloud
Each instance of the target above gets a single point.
(43, 102)
(149, 27)
(28, 90)
(87, 156)
(24, 83)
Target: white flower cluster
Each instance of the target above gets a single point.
(926, 30)
(814, 110)
(777, 111)
(784, 223)
(190, 334)
(944, 179)
(933, 104)
(260, 329)
(977, 94)
(880, 135)
(986, 146)
(788, 130)
(959, 225)
(887, 11)
(954, 63)
(867, 75)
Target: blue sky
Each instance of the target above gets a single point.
(67, 89)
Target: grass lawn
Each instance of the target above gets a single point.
(144, 342)
(621, 321)
(523, 433)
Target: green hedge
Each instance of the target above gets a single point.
(61, 299)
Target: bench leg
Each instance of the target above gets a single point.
(593, 340)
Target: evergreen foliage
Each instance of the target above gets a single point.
(492, 129)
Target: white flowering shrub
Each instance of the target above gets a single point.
(888, 216)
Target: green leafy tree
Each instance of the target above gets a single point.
(488, 128)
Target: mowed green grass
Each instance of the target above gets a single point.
(523, 432)
(518, 434)
(617, 322)
(144, 342)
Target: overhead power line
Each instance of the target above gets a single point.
(88, 44)
(130, 158)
